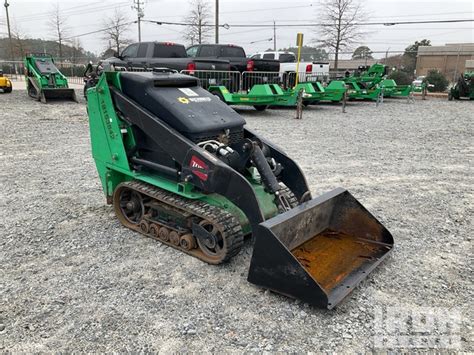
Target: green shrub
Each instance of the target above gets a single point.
(438, 80)
(400, 77)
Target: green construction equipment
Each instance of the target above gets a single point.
(44, 81)
(180, 166)
(311, 93)
(260, 96)
(365, 84)
(391, 89)
(334, 91)
(464, 87)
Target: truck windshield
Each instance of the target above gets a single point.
(287, 58)
(232, 52)
(169, 51)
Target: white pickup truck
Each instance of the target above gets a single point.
(319, 69)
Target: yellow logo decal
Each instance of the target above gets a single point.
(183, 100)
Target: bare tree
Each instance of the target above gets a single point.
(18, 37)
(57, 24)
(199, 18)
(340, 25)
(76, 50)
(117, 27)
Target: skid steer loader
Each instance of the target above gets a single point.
(44, 81)
(179, 165)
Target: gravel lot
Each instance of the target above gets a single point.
(73, 279)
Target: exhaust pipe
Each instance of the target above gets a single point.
(319, 251)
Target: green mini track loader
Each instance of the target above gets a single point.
(464, 87)
(180, 166)
(44, 81)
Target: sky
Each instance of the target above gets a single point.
(83, 16)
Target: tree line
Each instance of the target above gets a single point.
(341, 31)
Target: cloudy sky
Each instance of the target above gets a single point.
(83, 16)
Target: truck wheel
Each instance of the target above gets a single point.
(7, 90)
(260, 107)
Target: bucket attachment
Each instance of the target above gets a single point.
(58, 94)
(319, 251)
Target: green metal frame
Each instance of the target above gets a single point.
(366, 85)
(334, 91)
(391, 89)
(109, 150)
(258, 95)
(355, 92)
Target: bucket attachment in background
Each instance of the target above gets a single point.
(319, 251)
(58, 94)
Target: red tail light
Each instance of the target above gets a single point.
(309, 68)
(250, 65)
(191, 67)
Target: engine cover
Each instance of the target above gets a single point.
(179, 101)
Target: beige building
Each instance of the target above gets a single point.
(470, 64)
(449, 59)
(350, 64)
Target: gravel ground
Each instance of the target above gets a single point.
(74, 279)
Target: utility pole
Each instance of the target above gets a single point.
(138, 6)
(9, 32)
(217, 21)
(274, 36)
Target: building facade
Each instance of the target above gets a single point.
(449, 59)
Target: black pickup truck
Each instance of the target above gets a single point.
(236, 56)
(149, 55)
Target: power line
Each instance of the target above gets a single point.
(392, 23)
(68, 12)
(101, 30)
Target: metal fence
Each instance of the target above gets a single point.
(235, 81)
(15, 70)
(230, 79)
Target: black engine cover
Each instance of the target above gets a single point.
(180, 102)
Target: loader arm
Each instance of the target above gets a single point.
(212, 176)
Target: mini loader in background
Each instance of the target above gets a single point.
(180, 166)
(44, 81)
(464, 87)
(5, 83)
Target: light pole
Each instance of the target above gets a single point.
(8, 26)
(217, 21)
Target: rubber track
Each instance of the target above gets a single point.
(232, 231)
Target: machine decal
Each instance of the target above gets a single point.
(183, 100)
(188, 92)
(200, 99)
(199, 168)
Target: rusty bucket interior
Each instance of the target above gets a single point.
(319, 251)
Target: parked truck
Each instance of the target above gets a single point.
(245, 72)
(149, 55)
(318, 70)
(235, 55)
